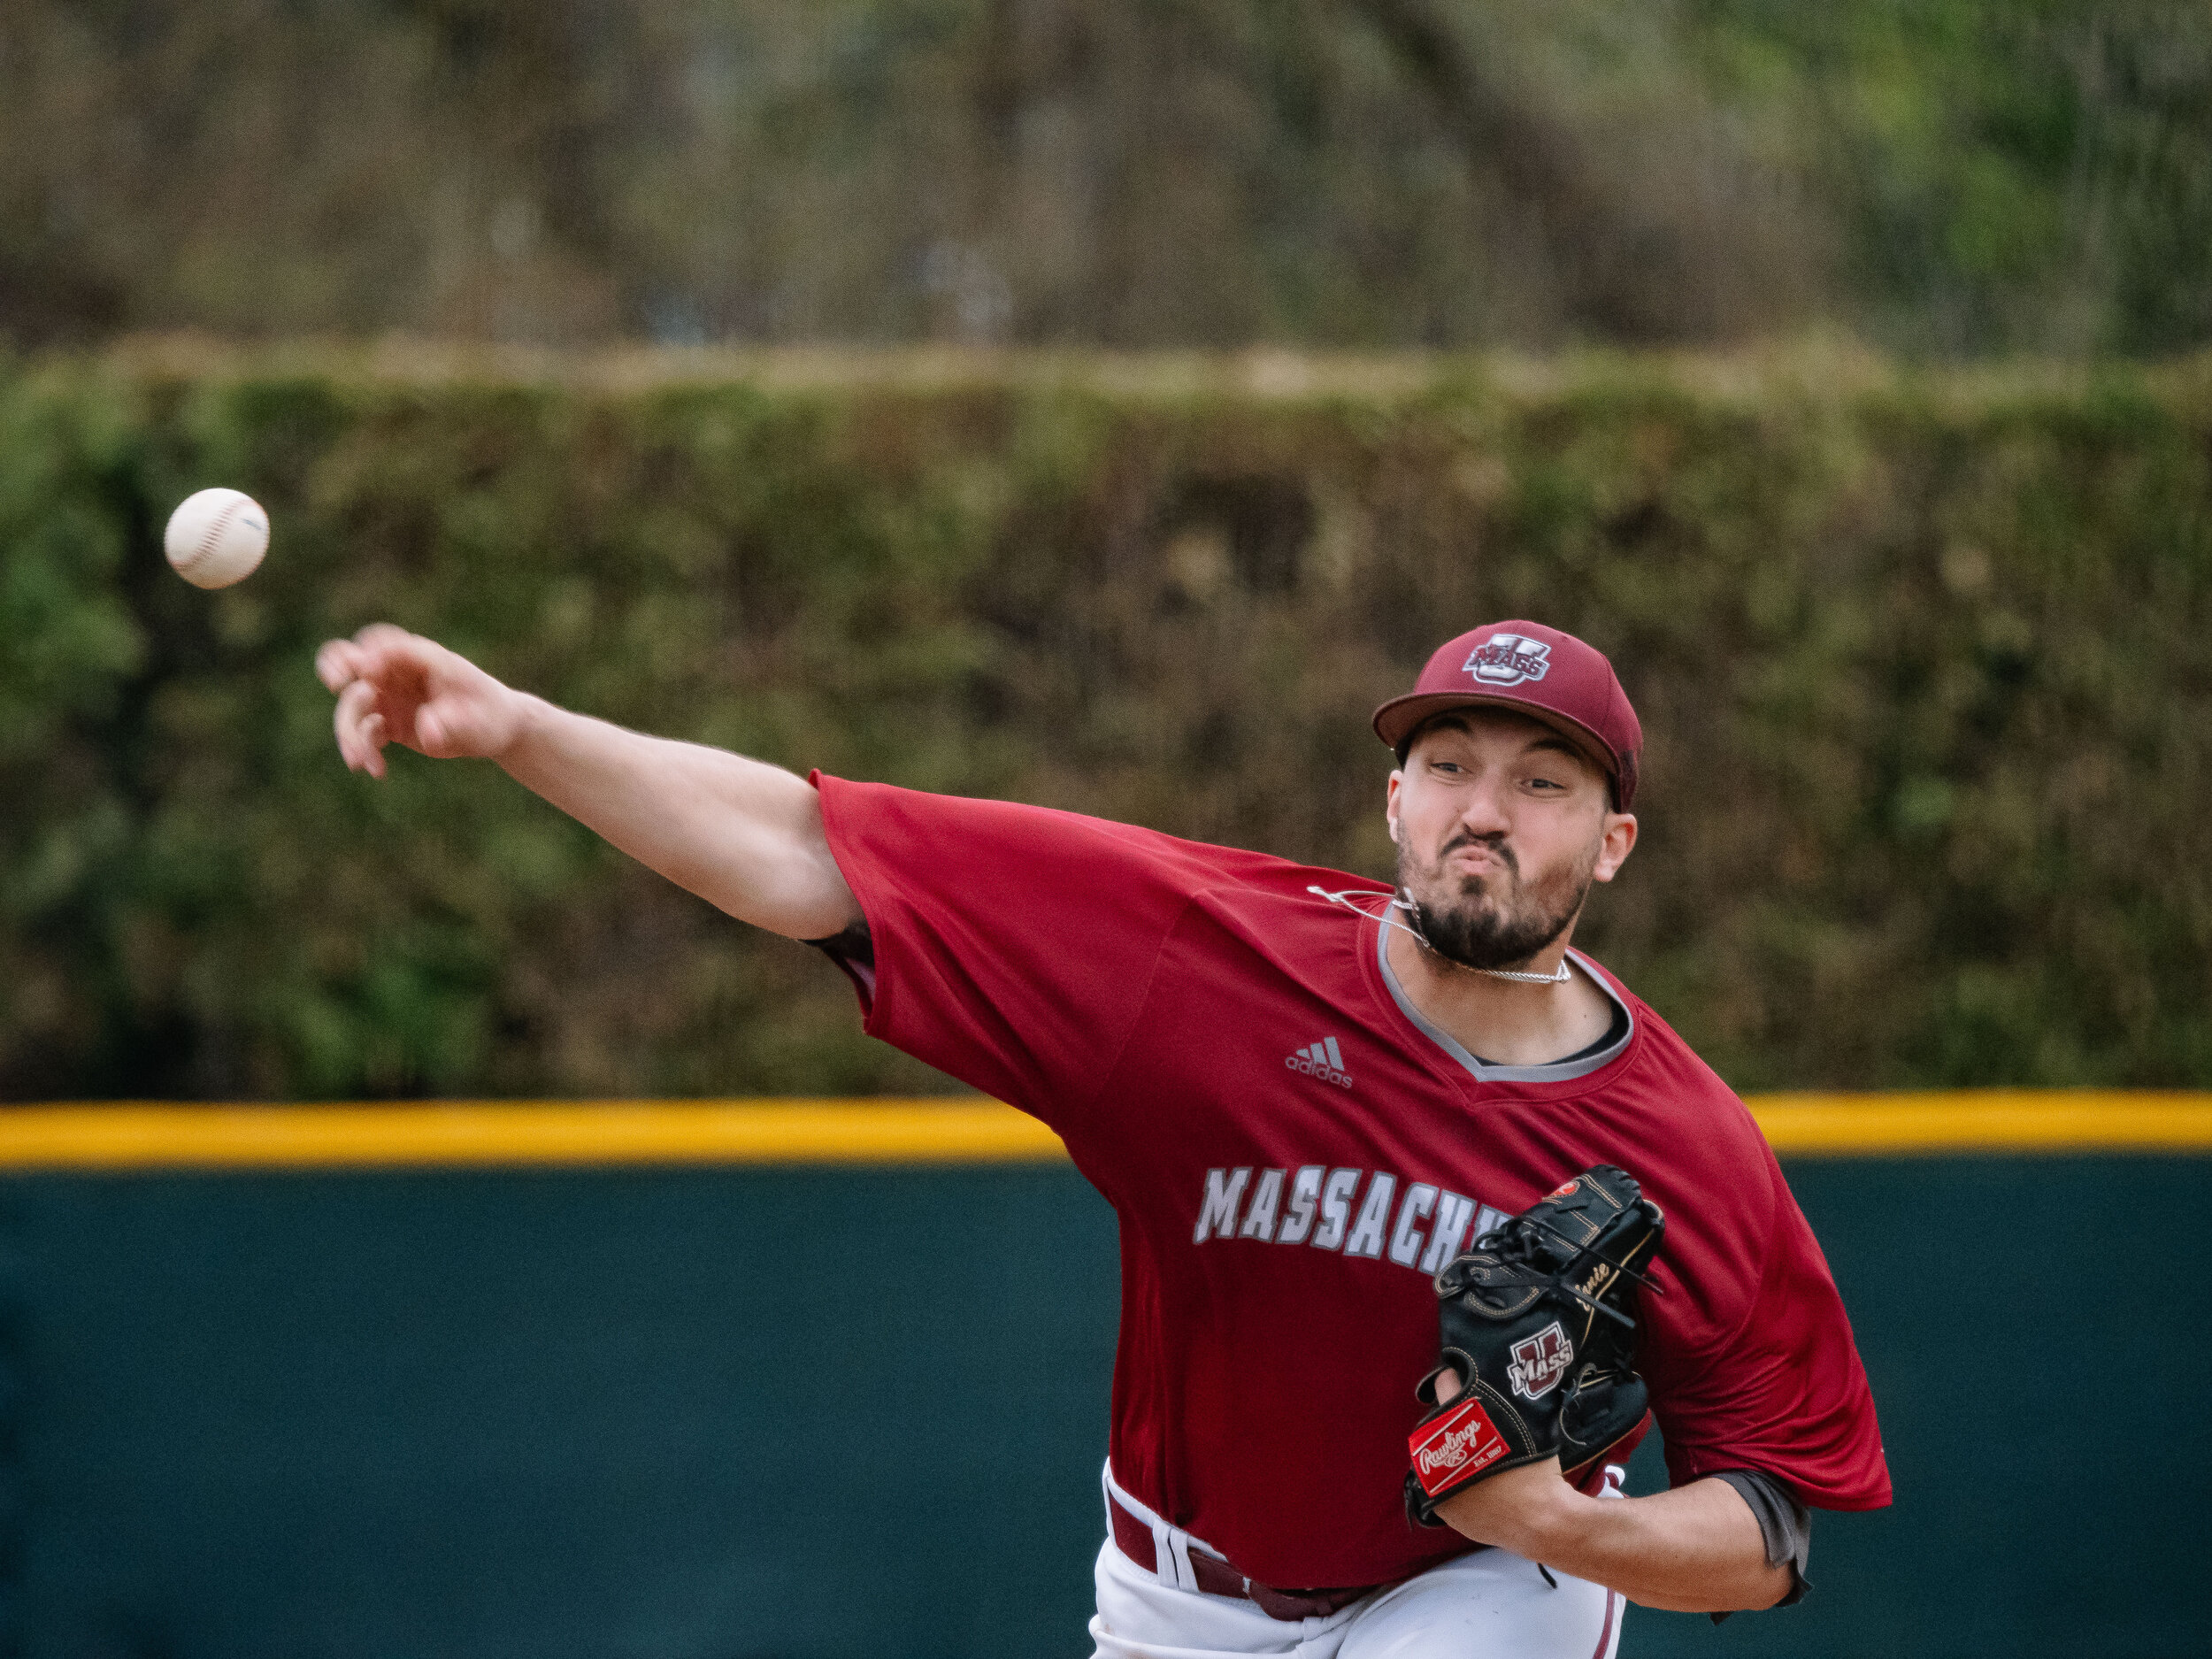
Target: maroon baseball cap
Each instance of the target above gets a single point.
(1536, 671)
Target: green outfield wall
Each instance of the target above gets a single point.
(721, 1406)
(1925, 660)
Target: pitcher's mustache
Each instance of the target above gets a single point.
(1494, 841)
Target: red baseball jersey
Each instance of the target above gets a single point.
(1293, 1152)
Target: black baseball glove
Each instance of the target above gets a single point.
(1539, 1322)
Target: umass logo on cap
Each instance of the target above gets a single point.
(1507, 659)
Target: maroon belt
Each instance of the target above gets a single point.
(1215, 1576)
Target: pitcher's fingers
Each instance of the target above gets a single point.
(336, 665)
(355, 704)
(381, 652)
(373, 730)
(366, 650)
(380, 644)
(371, 739)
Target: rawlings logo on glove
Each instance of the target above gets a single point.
(1542, 1310)
(1457, 1445)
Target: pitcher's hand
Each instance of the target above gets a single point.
(394, 687)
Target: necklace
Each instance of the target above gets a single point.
(1559, 977)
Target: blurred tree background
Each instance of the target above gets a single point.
(1924, 659)
(1921, 642)
(1938, 177)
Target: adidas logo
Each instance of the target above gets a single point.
(1323, 1061)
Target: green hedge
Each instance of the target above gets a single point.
(1925, 665)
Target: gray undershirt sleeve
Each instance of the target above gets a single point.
(1786, 1524)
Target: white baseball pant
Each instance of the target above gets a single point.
(1490, 1604)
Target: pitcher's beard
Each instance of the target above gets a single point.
(1478, 935)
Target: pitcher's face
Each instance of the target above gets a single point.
(1502, 824)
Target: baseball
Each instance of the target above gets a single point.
(216, 537)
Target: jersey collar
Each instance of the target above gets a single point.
(1559, 1071)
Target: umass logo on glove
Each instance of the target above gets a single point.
(1539, 1362)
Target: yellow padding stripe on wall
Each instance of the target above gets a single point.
(1984, 1120)
(458, 1134)
(477, 1134)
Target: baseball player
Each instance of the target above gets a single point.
(1304, 1092)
